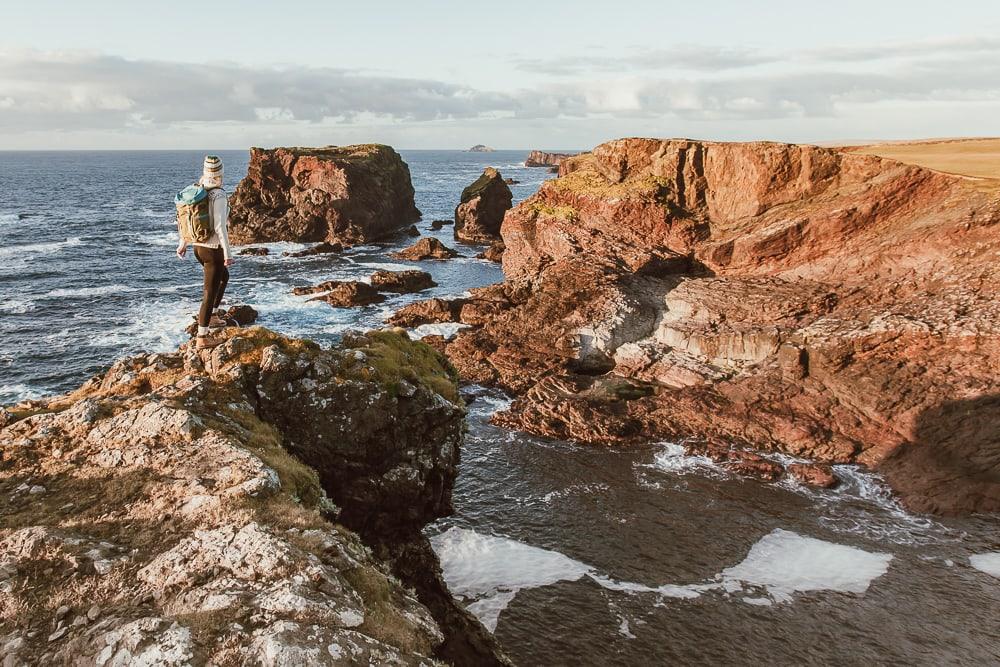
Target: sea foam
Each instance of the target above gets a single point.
(987, 562)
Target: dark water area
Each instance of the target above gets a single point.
(576, 556)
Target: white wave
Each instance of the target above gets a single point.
(15, 393)
(7, 218)
(150, 213)
(784, 563)
(91, 291)
(987, 562)
(166, 239)
(386, 266)
(33, 248)
(674, 459)
(575, 489)
(446, 330)
(156, 326)
(488, 570)
(16, 306)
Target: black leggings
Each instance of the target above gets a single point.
(216, 279)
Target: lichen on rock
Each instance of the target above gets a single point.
(218, 507)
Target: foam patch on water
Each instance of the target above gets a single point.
(674, 459)
(784, 563)
(488, 570)
(446, 330)
(16, 306)
(386, 266)
(34, 248)
(166, 239)
(988, 563)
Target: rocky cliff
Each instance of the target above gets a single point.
(481, 208)
(259, 503)
(347, 194)
(543, 159)
(832, 306)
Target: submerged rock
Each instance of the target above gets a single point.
(223, 506)
(751, 285)
(258, 251)
(345, 293)
(323, 248)
(426, 248)
(481, 208)
(438, 224)
(350, 194)
(403, 282)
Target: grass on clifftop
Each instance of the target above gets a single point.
(978, 158)
(397, 358)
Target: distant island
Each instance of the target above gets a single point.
(480, 148)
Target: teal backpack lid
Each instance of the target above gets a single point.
(192, 194)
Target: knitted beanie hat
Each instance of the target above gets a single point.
(211, 175)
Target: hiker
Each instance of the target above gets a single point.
(202, 221)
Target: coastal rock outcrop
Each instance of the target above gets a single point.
(481, 208)
(403, 282)
(427, 247)
(543, 159)
(258, 503)
(347, 194)
(828, 305)
(343, 293)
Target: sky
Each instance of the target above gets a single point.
(444, 74)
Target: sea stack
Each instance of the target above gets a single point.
(345, 194)
(481, 208)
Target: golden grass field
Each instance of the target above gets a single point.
(977, 158)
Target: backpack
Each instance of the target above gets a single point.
(194, 223)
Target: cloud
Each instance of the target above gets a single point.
(93, 90)
(715, 59)
(88, 92)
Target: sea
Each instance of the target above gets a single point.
(571, 555)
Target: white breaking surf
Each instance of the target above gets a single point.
(487, 571)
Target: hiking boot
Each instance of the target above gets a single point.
(206, 342)
(217, 323)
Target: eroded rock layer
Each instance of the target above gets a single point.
(833, 306)
(220, 507)
(345, 194)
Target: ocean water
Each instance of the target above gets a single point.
(571, 555)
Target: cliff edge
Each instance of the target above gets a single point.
(256, 503)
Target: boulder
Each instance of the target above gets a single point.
(257, 251)
(481, 209)
(752, 285)
(438, 224)
(426, 248)
(346, 194)
(323, 248)
(403, 282)
(240, 315)
(412, 231)
(429, 311)
(347, 294)
(267, 479)
(543, 159)
(494, 253)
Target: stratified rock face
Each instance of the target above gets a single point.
(772, 296)
(349, 194)
(172, 510)
(543, 159)
(481, 209)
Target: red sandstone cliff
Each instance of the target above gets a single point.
(349, 194)
(543, 159)
(829, 305)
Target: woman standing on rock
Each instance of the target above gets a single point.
(212, 251)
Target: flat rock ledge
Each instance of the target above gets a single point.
(257, 503)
